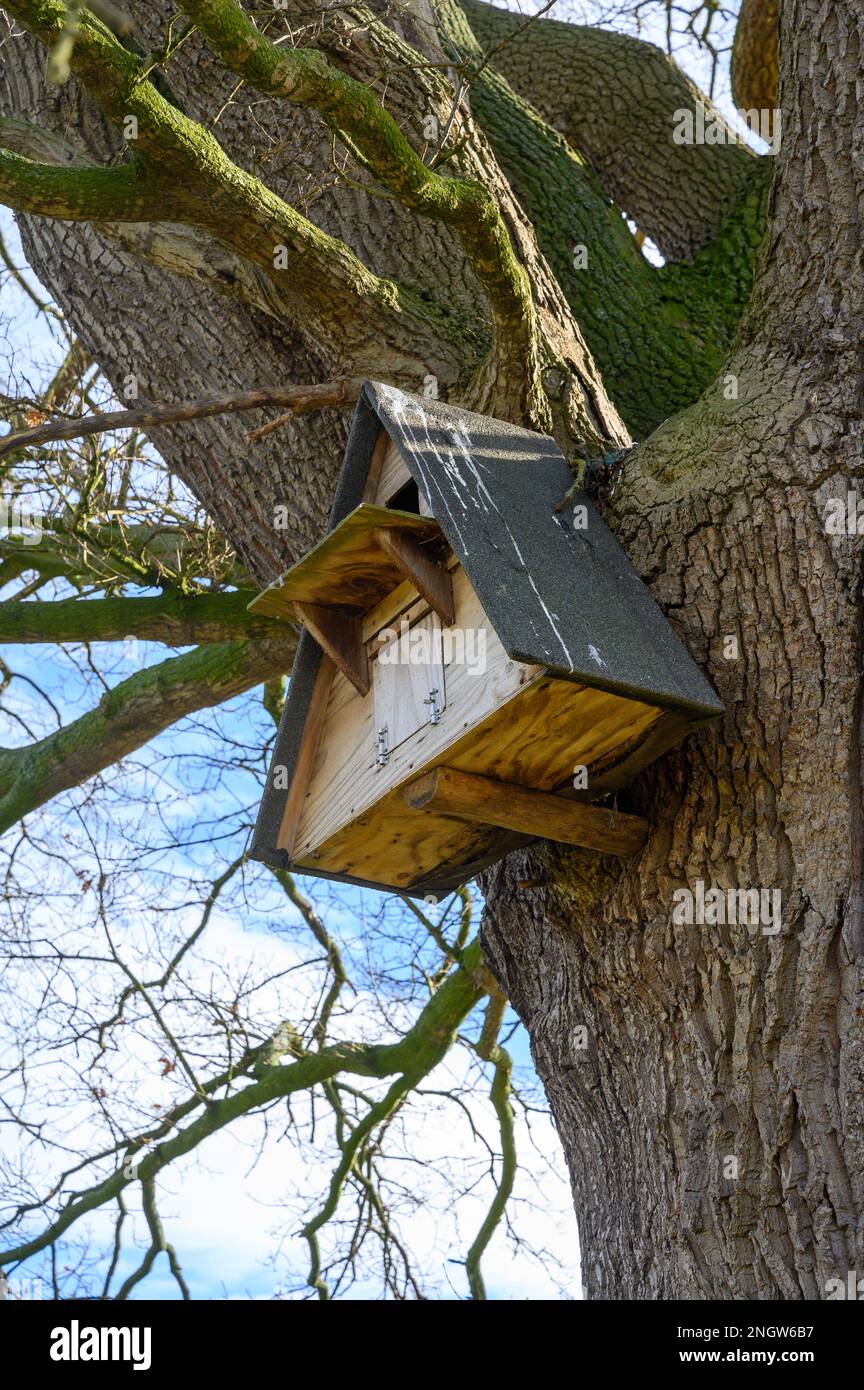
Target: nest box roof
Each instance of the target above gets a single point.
(557, 596)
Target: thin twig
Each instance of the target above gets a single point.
(300, 398)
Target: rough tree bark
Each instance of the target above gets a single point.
(704, 1044)
(713, 1042)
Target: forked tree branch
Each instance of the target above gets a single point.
(415, 1054)
(354, 113)
(614, 97)
(179, 248)
(353, 315)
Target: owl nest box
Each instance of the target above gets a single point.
(466, 650)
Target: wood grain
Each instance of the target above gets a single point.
(347, 568)
(402, 689)
(338, 632)
(393, 472)
(513, 722)
(346, 779)
(428, 576)
(309, 741)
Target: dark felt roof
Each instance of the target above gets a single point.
(558, 597)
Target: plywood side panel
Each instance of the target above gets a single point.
(556, 727)
(395, 846)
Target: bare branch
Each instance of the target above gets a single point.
(301, 399)
(415, 1054)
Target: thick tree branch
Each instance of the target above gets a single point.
(330, 287)
(613, 98)
(130, 715)
(754, 56)
(125, 193)
(352, 110)
(658, 335)
(172, 246)
(168, 618)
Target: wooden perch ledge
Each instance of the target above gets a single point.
(530, 812)
(356, 564)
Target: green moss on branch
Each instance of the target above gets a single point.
(658, 334)
(353, 111)
(126, 193)
(364, 322)
(168, 618)
(130, 715)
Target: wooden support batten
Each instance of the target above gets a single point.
(339, 634)
(430, 579)
(523, 809)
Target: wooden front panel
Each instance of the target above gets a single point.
(345, 779)
(387, 474)
(403, 681)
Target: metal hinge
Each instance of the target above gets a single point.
(434, 707)
(382, 750)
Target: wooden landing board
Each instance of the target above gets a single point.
(347, 569)
(529, 812)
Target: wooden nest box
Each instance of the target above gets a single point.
(468, 654)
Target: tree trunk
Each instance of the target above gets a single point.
(706, 1080)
